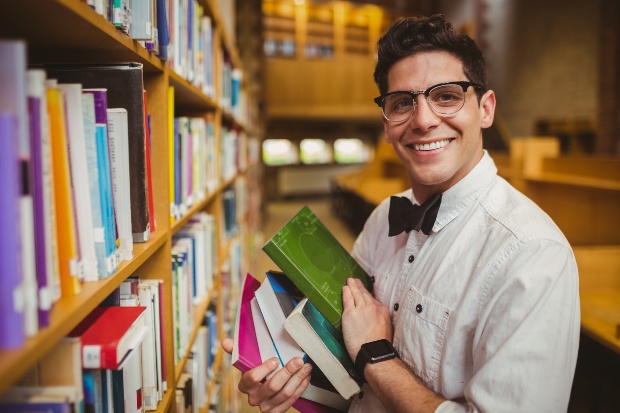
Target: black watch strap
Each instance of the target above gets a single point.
(374, 352)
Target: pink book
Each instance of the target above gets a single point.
(246, 354)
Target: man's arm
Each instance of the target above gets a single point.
(277, 394)
(365, 319)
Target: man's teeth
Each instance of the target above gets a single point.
(431, 146)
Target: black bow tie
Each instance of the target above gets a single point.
(405, 216)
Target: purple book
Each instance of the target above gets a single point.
(101, 104)
(12, 332)
(38, 198)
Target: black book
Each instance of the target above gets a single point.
(125, 86)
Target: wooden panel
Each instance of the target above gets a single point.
(338, 88)
(599, 267)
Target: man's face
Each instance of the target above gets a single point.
(457, 138)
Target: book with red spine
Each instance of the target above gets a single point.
(108, 334)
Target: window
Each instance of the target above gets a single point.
(350, 151)
(279, 152)
(315, 151)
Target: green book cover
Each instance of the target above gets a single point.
(308, 253)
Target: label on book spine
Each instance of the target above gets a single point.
(99, 234)
(91, 356)
(45, 298)
(74, 269)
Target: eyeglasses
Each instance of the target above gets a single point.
(444, 98)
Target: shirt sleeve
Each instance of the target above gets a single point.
(525, 345)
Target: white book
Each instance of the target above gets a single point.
(274, 318)
(149, 365)
(90, 136)
(141, 20)
(200, 354)
(319, 389)
(155, 291)
(13, 101)
(118, 137)
(79, 178)
(132, 374)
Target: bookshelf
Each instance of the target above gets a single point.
(69, 31)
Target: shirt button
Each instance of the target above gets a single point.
(411, 258)
(396, 307)
(372, 279)
(418, 308)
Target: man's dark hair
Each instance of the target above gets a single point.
(408, 36)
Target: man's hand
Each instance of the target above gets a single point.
(278, 393)
(364, 318)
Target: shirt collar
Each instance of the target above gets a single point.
(464, 192)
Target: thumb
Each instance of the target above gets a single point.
(227, 345)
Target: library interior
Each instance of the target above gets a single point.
(150, 149)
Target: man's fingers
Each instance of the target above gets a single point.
(227, 345)
(287, 385)
(253, 378)
(358, 292)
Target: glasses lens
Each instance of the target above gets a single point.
(447, 99)
(398, 107)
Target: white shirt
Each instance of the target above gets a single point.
(486, 308)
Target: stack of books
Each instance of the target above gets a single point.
(297, 312)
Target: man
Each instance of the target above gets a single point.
(480, 304)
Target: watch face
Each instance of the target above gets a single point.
(380, 350)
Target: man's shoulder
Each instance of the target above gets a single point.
(508, 207)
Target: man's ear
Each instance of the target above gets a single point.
(487, 109)
(385, 130)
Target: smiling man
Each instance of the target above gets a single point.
(475, 304)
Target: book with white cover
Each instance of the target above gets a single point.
(118, 137)
(79, 179)
(155, 291)
(149, 365)
(268, 301)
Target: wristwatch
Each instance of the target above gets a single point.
(374, 352)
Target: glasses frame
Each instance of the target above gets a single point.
(379, 100)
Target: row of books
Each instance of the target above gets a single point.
(194, 165)
(192, 390)
(113, 361)
(181, 32)
(74, 205)
(198, 164)
(298, 312)
(143, 20)
(194, 262)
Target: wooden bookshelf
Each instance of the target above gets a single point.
(69, 31)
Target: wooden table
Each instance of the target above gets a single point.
(600, 317)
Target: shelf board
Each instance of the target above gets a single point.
(189, 99)
(69, 31)
(177, 225)
(68, 312)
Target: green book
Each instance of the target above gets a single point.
(325, 346)
(316, 262)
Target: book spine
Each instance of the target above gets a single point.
(40, 165)
(67, 245)
(79, 179)
(147, 155)
(90, 131)
(12, 332)
(117, 128)
(105, 195)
